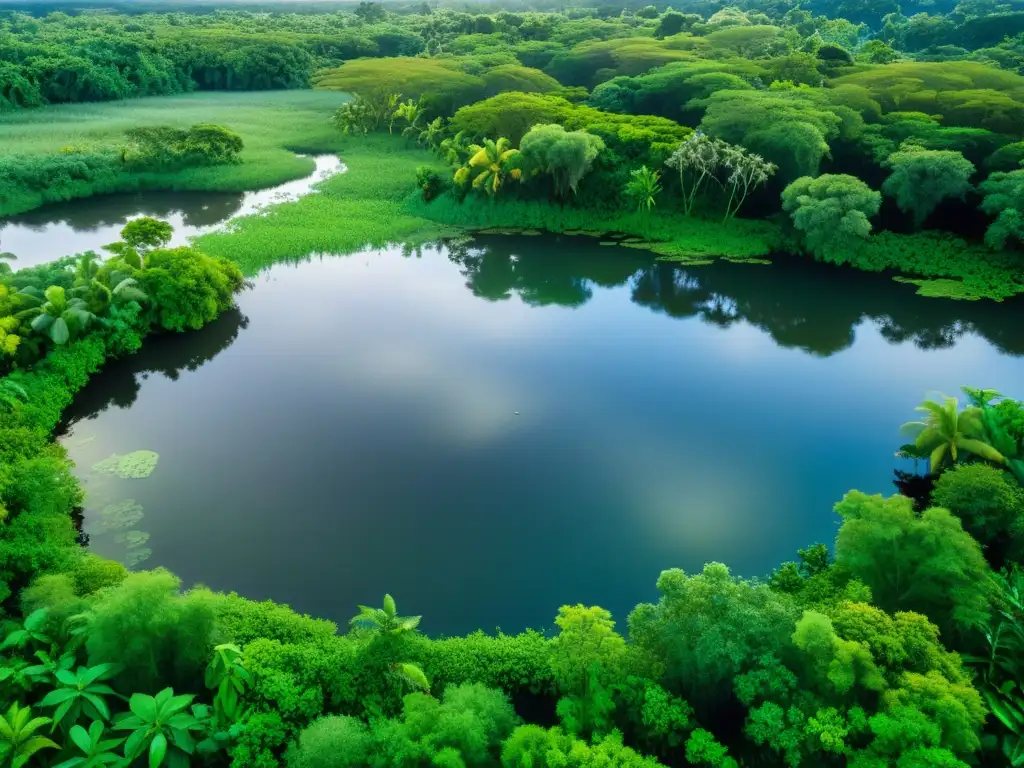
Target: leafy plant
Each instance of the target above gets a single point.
(643, 187)
(96, 751)
(384, 621)
(81, 693)
(226, 674)
(32, 631)
(61, 318)
(17, 736)
(946, 431)
(161, 726)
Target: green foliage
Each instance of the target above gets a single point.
(530, 746)
(922, 178)
(189, 288)
(80, 693)
(18, 736)
(160, 728)
(643, 188)
(946, 432)
(331, 742)
(96, 751)
(384, 620)
(158, 635)
(925, 563)
(832, 211)
(566, 156)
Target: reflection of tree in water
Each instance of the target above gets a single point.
(802, 304)
(198, 209)
(168, 354)
(542, 271)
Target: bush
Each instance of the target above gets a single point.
(431, 183)
(189, 288)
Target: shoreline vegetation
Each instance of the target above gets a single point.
(900, 645)
(362, 209)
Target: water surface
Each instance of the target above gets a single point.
(88, 224)
(488, 432)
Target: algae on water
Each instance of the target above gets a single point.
(117, 517)
(136, 556)
(131, 466)
(132, 539)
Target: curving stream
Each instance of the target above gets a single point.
(58, 230)
(490, 430)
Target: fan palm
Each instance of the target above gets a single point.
(489, 165)
(60, 317)
(385, 621)
(946, 431)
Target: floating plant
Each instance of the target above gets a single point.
(132, 539)
(116, 517)
(136, 556)
(131, 466)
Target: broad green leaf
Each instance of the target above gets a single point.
(157, 750)
(143, 706)
(59, 332)
(81, 738)
(53, 698)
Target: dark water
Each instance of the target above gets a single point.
(57, 230)
(491, 432)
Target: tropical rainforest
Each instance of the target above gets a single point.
(868, 134)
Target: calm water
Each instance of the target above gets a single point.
(57, 230)
(490, 432)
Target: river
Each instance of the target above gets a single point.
(77, 226)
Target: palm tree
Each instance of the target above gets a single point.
(455, 149)
(385, 621)
(60, 317)
(431, 135)
(412, 111)
(981, 398)
(946, 431)
(644, 186)
(489, 165)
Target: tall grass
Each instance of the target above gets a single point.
(274, 125)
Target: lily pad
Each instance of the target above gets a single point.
(136, 556)
(117, 517)
(132, 539)
(131, 466)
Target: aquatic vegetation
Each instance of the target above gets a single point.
(132, 539)
(136, 557)
(130, 466)
(115, 517)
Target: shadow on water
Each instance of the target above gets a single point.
(168, 354)
(800, 303)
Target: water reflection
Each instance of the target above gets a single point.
(800, 304)
(63, 229)
(429, 425)
(167, 354)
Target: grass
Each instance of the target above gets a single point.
(274, 125)
(377, 202)
(368, 206)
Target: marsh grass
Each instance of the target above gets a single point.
(274, 125)
(368, 206)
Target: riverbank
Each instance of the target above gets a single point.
(275, 126)
(377, 202)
